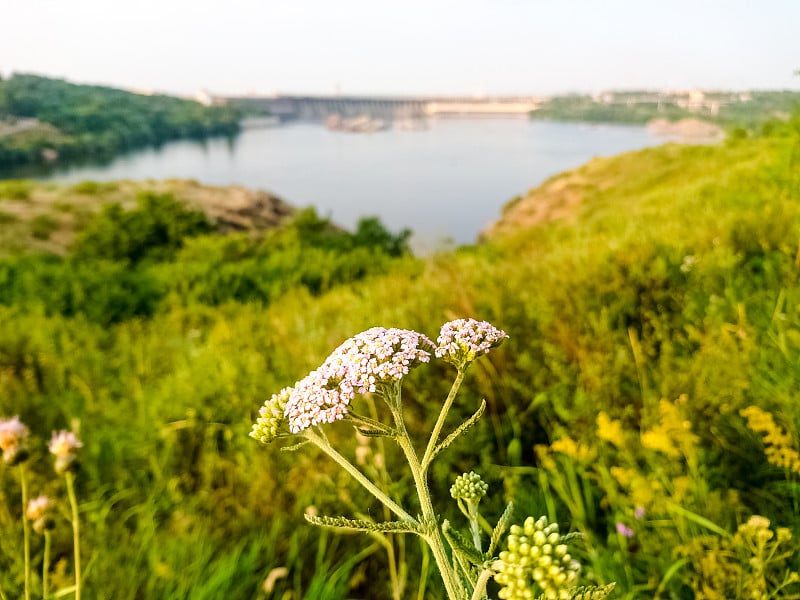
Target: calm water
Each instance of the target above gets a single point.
(449, 181)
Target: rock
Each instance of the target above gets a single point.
(687, 130)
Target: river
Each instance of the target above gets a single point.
(445, 183)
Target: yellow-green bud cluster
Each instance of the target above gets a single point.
(469, 487)
(536, 557)
(271, 423)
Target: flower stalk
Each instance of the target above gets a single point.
(46, 566)
(321, 441)
(437, 428)
(76, 536)
(26, 529)
(433, 537)
(375, 362)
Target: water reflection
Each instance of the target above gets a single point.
(448, 181)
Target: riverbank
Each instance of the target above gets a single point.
(45, 121)
(445, 183)
(47, 217)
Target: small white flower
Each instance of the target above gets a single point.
(63, 445)
(362, 364)
(13, 440)
(463, 340)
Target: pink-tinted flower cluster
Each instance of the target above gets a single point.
(40, 512)
(63, 445)
(359, 365)
(624, 530)
(463, 340)
(13, 440)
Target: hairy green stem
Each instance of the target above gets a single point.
(437, 429)
(46, 565)
(433, 535)
(474, 526)
(76, 537)
(26, 529)
(323, 444)
(423, 577)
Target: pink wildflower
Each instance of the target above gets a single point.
(622, 529)
(361, 364)
(13, 440)
(463, 340)
(40, 512)
(63, 445)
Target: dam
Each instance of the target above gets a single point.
(318, 108)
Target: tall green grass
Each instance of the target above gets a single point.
(680, 277)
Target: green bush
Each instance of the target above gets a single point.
(16, 189)
(156, 229)
(42, 226)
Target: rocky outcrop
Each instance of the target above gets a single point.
(67, 209)
(232, 207)
(687, 130)
(557, 198)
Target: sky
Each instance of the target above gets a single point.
(408, 47)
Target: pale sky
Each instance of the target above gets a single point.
(405, 47)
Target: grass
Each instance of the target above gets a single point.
(676, 275)
(16, 189)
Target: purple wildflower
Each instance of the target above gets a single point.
(360, 365)
(13, 440)
(463, 340)
(622, 529)
(639, 513)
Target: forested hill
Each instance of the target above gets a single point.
(746, 111)
(47, 120)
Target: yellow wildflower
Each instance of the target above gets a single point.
(673, 435)
(569, 447)
(779, 447)
(610, 430)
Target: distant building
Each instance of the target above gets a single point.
(203, 97)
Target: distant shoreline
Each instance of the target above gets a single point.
(690, 131)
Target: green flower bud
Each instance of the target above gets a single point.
(469, 487)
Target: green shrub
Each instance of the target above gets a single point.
(92, 188)
(156, 229)
(7, 218)
(16, 189)
(42, 226)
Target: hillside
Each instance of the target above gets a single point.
(45, 120)
(47, 217)
(647, 398)
(745, 110)
(660, 189)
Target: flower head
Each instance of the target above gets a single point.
(364, 363)
(537, 555)
(463, 340)
(40, 511)
(13, 440)
(624, 530)
(271, 422)
(63, 445)
(469, 487)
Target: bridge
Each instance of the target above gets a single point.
(318, 108)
